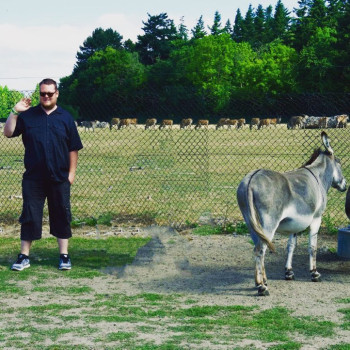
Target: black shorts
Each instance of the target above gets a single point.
(58, 200)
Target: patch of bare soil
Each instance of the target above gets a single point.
(219, 270)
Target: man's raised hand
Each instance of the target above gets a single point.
(23, 104)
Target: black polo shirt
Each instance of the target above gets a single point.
(47, 140)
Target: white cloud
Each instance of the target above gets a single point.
(129, 26)
(30, 53)
(42, 38)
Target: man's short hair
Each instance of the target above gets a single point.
(48, 81)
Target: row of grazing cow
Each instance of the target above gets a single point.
(261, 123)
(185, 123)
(295, 122)
(311, 122)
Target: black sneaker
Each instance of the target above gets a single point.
(21, 263)
(65, 263)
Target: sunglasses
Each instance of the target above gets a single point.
(49, 94)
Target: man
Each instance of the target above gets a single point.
(51, 143)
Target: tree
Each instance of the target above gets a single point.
(228, 28)
(317, 61)
(259, 27)
(110, 75)
(182, 30)
(281, 21)
(311, 14)
(8, 99)
(248, 29)
(198, 31)
(216, 29)
(99, 40)
(237, 32)
(213, 66)
(300, 25)
(342, 75)
(274, 70)
(318, 13)
(269, 25)
(129, 45)
(156, 43)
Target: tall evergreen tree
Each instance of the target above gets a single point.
(318, 13)
(237, 33)
(311, 15)
(281, 21)
(259, 27)
(182, 30)
(248, 29)
(216, 28)
(156, 43)
(228, 27)
(335, 11)
(198, 31)
(269, 25)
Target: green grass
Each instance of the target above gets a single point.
(42, 305)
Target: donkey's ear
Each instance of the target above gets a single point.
(326, 143)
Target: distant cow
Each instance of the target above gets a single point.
(342, 120)
(264, 123)
(296, 121)
(221, 123)
(323, 122)
(202, 123)
(275, 121)
(232, 123)
(313, 122)
(133, 122)
(254, 123)
(186, 123)
(89, 124)
(166, 123)
(241, 123)
(151, 122)
(114, 123)
(102, 125)
(124, 123)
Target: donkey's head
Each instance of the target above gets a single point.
(338, 180)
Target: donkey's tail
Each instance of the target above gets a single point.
(255, 220)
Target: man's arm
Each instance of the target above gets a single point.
(73, 162)
(11, 121)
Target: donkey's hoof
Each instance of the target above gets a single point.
(289, 275)
(263, 291)
(315, 276)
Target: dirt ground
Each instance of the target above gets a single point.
(219, 270)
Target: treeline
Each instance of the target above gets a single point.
(221, 69)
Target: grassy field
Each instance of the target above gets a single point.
(43, 308)
(174, 176)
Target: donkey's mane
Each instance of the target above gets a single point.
(313, 157)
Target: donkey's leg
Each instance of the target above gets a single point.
(260, 275)
(314, 227)
(292, 243)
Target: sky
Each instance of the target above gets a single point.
(40, 39)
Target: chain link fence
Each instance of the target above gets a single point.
(181, 176)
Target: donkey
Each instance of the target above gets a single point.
(288, 203)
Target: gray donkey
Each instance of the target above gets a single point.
(288, 203)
